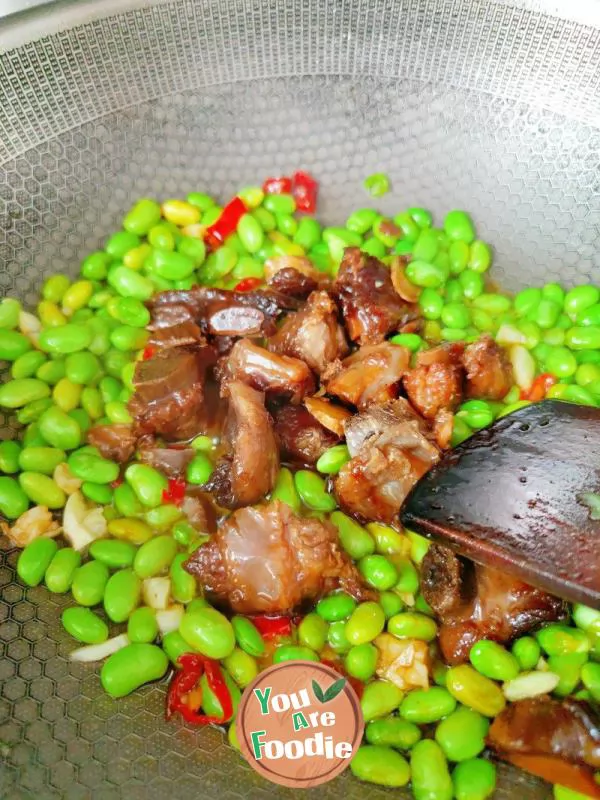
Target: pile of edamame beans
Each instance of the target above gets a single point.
(71, 367)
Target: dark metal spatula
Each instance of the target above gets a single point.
(513, 497)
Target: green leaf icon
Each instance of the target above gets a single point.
(335, 688)
(318, 692)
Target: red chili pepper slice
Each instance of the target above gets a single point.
(270, 627)
(216, 234)
(193, 666)
(282, 185)
(248, 284)
(148, 352)
(175, 492)
(539, 388)
(305, 189)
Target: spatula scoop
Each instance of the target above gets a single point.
(515, 496)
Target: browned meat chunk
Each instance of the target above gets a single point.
(115, 442)
(249, 470)
(207, 306)
(443, 426)
(171, 461)
(199, 510)
(268, 560)
(371, 306)
(489, 374)
(391, 451)
(312, 334)
(567, 729)
(169, 393)
(293, 283)
(301, 437)
(183, 334)
(436, 382)
(268, 372)
(475, 602)
(369, 376)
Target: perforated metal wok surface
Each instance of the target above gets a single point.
(490, 106)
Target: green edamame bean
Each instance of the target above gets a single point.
(35, 559)
(61, 570)
(89, 583)
(208, 631)
(472, 283)
(422, 706)
(42, 490)
(250, 232)
(126, 501)
(561, 362)
(580, 338)
(241, 666)
(162, 518)
(27, 365)
(247, 636)
(85, 626)
(122, 595)
(66, 395)
(280, 203)
(475, 690)
(13, 345)
(454, 294)
(312, 632)
(210, 702)
(412, 341)
(480, 256)
(354, 539)
(10, 310)
(585, 617)
(361, 661)
(527, 652)
(113, 553)
(18, 393)
(118, 413)
(379, 699)
(142, 217)
(462, 734)
(120, 242)
(458, 253)
(456, 315)
(82, 367)
(199, 469)
(493, 661)
(308, 233)
(110, 389)
(378, 572)
(69, 338)
(77, 297)
(474, 779)
(427, 246)
(421, 216)
(52, 371)
(429, 771)
(313, 492)
(97, 492)
(365, 623)
(142, 625)
(408, 578)
(10, 452)
(333, 459)
(362, 220)
(183, 585)
(590, 677)
(90, 467)
(409, 227)
(430, 276)
(154, 556)
(131, 667)
(129, 283)
(561, 640)
(292, 652)
(336, 607)
(95, 266)
(285, 490)
(41, 459)
(568, 668)
(32, 436)
(147, 483)
(410, 625)
(391, 603)
(92, 403)
(459, 226)
(380, 765)
(336, 637)
(174, 646)
(392, 732)
(374, 247)
(431, 303)
(581, 298)
(59, 429)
